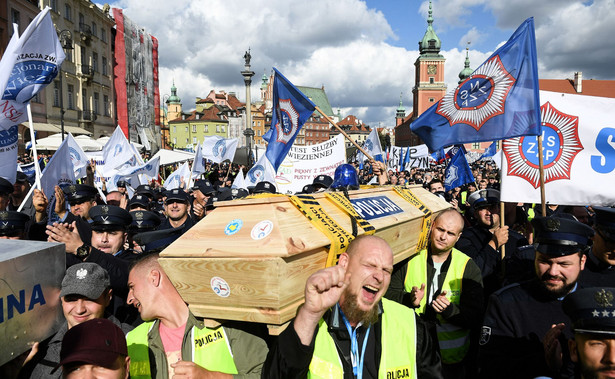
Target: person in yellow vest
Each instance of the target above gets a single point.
(445, 288)
(345, 329)
(172, 343)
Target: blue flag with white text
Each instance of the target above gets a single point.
(499, 100)
(457, 172)
(291, 109)
(490, 151)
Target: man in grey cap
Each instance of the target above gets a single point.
(592, 312)
(86, 292)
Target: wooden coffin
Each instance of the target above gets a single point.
(248, 260)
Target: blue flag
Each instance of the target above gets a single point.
(490, 151)
(499, 100)
(291, 109)
(457, 172)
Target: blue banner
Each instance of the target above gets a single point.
(457, 172)
(499, 100)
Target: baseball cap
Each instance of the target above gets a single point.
(98, 342)
(85, 279)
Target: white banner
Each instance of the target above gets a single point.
(304, 163)
(219, 149)
(578, 152)
(78, 157)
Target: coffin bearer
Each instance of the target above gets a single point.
(173, 341)
(346, 329)
(444, 286)
(177, 208)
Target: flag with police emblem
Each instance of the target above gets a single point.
(218, 149)
(117, 152)
(261, 171)
(499, 100)
(457, 172)
(78, 157)
(182, 174)
(291, 109)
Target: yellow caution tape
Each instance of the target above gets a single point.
(425, 228)
(345, 205)
(340, 239)
(263, 195)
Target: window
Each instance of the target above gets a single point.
(69, 55)
(259, 133)
(15, 17)
(476, 145)
(174, 129)
(431, 99)
(37, 98)
(186, 130)
(71, 96)
(106, 105)
(217, 128)
(95, 62)
(68, 12)
(431, 81)
(56, 94)
(223, 129)
(84, 58)
(96, 98)
(104, 66)
(94, 29)
(103, 34)
(54, 5)
(193, 128)
(206, 129)
(186, 141)
(84, 100)
(194, 140)
(81, 20)
(174, 140)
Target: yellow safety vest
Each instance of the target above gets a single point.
(210, 349)
(454, 341)
(398, 358)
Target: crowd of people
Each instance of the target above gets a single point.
(532, 297)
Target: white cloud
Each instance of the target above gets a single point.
(473, 36)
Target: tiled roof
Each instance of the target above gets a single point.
(318, 97)
(589, 87)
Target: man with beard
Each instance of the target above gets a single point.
(445, 287)
(485, 237)
(177, 207)
(600, 267)
(345, 329)
(525, 328)
(593, 320)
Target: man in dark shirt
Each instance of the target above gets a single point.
(177, 206)
(345, 328)
(525, 328)
(600, 266)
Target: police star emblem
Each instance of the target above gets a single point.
(553, 225)
(104, 209)
(288, 120)
(4, 215)
(139, 215)
(604, 298)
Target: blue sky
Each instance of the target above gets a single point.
(362, 52)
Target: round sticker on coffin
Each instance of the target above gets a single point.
(220, 286)
(262, 230)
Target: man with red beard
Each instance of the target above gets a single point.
(525, 329)
(345, 329)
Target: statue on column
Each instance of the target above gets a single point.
(247, 57)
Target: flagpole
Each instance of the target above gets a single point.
(37, 169)
(502, 223)
(23, 203)
(344, 134)
(542, 178)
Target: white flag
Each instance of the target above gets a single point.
(117, 151)
(372, 144)
(29, 63)
(59, 171)
(240, 181)
(78, 157)
(578, 154)
(219, 149)
(198, 165)
(174, 180)
(262, 171)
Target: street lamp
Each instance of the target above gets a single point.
(66, 41)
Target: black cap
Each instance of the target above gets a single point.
(322, 181)
(157, 240)
(605, 221)
(143, 221)
(176, 194)
(592, 310)
(484, 198)
(79, 192)
(561, 234)
(264, 187)
(21, 177)
(205, 187)
(238, 193)
(141, 200)
(145, 189)
(109, 217)
(307, 189)
(121, 183)
(12, 222)
(6, 188)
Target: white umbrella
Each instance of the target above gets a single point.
(88, 144)
(173, 156)
(53, 141)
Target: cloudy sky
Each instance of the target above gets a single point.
(362, 52)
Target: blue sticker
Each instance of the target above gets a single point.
(375, 207)
(233, 227)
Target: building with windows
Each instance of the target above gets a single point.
(355, 128)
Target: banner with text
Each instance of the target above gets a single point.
(578, 153)
(304, 163)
